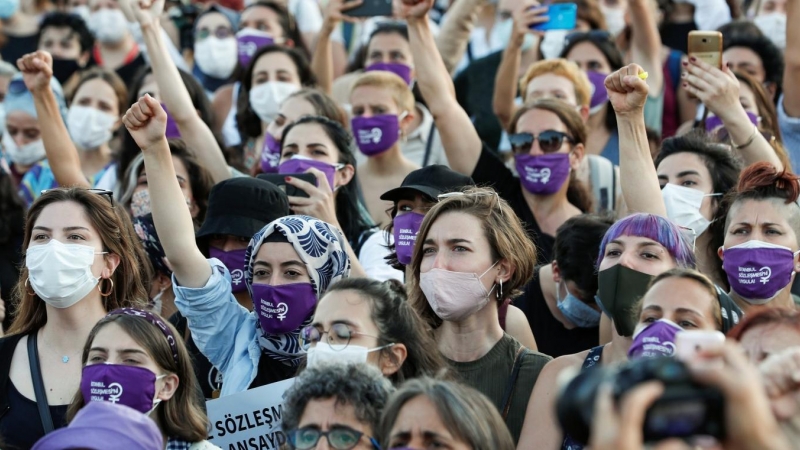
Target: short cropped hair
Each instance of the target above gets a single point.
(563, 68)
(387, 80)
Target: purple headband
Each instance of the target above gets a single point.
(155, 320)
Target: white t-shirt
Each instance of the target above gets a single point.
(307, 14)
(372, 257)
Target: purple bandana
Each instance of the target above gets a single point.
(714, 122)
(401, 70)
(282, 309)
(758, 270)
(131, 386)
(543, 174)
(406, 227)
(599, 92)
(248, 43)
(374, 135)
(234, 260)
(270, 154)
(302, 164)
(172, 127)
(657, 339)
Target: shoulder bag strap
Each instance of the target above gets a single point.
(512, 380)
(38, 384)
(428, 145)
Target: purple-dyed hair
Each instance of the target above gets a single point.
(653, 227)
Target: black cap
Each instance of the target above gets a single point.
(241, 206)
(430, 181)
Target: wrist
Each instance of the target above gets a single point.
(417, 22)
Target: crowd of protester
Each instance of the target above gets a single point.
(448, 224)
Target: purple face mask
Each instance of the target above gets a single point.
(599, 92)
(172, 128)
(131, 386)
(301, 164)
(270, 154)
(234, 261)
(405, 229)
(282, 309)
(758, 270)
(713, 123)
(657, 339)
(374, 135)
(401, 70)
(249, 41)
(543, 174)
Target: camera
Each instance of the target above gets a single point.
(685, 409)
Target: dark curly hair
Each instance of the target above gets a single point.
(71, 21)
(770, 55)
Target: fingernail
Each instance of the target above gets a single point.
(683, 75)
(693, 59)
(287, 179)
(685, 64)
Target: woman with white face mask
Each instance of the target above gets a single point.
(135, 358)
(471, 255)
(92, 119)
(115, 47)
(215, 54)
(81, 260)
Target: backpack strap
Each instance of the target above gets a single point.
(512, 379)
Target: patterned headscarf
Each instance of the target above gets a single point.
(321, 247)
(146, 231)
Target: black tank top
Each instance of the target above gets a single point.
(592, 359)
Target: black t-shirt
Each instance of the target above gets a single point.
(21, 426)
(271, 371)
(493, 172)
(551, 336)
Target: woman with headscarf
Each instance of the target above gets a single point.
(289, 265)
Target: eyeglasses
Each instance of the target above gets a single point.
(339, 334)
(220, 32)
(550, 141)
(339, 437)
(594, 36)
(108, 194)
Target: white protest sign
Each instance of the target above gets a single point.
(249, 420)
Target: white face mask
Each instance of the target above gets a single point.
(266, 98)
(61, 274)
(773, 26)
(108, 25)
(615, 19)
(82, 11)
(553, 43)
(26, 155)
(502, 32)
(2, 118)
(216, 57)
(89, 127)
(683, 207)
(325, 352)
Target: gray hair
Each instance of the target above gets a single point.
(468, 415)
(360, 385)
(7, 69)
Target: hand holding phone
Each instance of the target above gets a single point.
(706, 46)
(370, 8)
(689, 345)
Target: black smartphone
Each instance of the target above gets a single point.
(279, 179)
(371, 8)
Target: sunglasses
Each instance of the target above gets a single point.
(339, 335)
(550, 141)
(107, 194)
(594, 36)
(220, 32)
(339, 438)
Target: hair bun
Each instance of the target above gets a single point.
(397, 288)
(764, 179)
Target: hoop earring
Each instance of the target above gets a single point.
(110, 290)
(26, 287)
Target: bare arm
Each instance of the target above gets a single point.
(791, 71)
(147, 123)
(646, 43)
(460, 140)
(638, 177)
(37, 70)
(322, 61)
(195, 132)
(456, 30)
(518, 327)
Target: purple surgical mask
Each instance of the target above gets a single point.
(234, 260)
(758, 270)
(405, 229)
(172, 128)
(401, 70)
(131, 386)
(374, 135)
(249, 41)
(657, 339)
(714, 122)
(300, 164)
(543, 174)
(270, 154)
(282, 309)
(599, 92)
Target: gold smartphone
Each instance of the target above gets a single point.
(706, 46)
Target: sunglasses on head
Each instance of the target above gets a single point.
(594, 36)
(102, 192)
(550, 141)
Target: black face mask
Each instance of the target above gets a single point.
(63, 69)
(619, 288)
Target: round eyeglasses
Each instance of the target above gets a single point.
(338, 336)
(339, 438)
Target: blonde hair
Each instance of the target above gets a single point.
(387, 80)
(563, 68)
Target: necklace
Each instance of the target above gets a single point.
(64, 358)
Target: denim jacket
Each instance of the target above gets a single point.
(223, 330)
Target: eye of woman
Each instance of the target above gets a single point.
(358, 111)
(261, 273)
(688, 183)
(686, 324)
(649, 255)
(31, 133)
(95, 357)
(595, 66)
